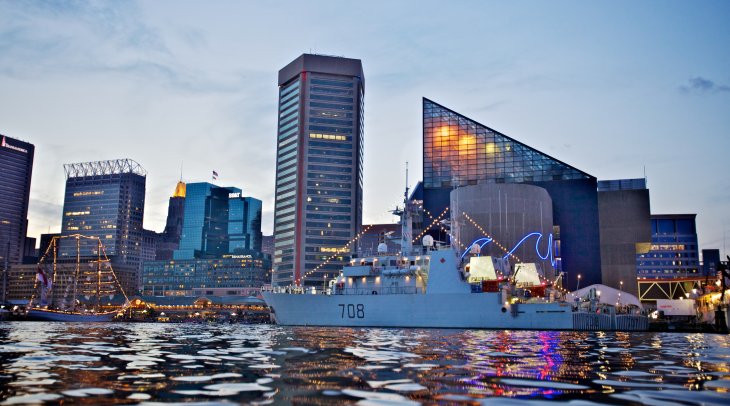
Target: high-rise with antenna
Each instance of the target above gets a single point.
(319, 175)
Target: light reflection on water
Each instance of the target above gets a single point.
(220, 364)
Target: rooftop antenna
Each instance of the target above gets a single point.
(181, 169)
(646, 181)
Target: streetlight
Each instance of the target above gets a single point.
(578, 286)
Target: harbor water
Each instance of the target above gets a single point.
(157, 363)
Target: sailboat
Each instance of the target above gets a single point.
(80, 288)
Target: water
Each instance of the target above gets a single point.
(153, 364)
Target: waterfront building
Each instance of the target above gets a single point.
(16, 168)
(673, 252)
(105, 199)
(458, 151)
(229, 275)
(319, 167)
(169, 241)
(22, 279)
(267, 245)
(710, 262)
(218, 221)
(624, 214)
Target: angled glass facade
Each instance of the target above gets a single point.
(218, 221)
(318, 207)
(458, 151)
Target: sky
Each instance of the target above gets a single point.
(618, 89)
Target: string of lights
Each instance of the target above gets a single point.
(325, 262)
(453, 237)
(502, 247)
(430, 225)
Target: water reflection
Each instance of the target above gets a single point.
(214, 364)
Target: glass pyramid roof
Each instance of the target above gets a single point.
(458, 151)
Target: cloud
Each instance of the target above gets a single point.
(702, 85)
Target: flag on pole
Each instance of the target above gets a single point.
(42, 278)
(215, 175)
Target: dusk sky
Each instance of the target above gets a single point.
(612, 88)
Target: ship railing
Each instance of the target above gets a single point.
(389, 290)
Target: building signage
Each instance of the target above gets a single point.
(238, 256)
(13, 147)
(234, 195)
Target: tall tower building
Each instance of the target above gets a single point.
(105, 199)
(170, 239)
(16, 168)
(319, 167)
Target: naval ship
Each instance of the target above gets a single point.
(433, 286)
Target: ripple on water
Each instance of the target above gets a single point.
(31, 399)
(673, 397)
(533, 383)
(378, 398)
(82, 393)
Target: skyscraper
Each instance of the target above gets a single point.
(169, 241)
(218, 221)
(16, 168)
(105, 199)
(319, 167)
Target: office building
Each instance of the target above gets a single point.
(673, 253)
(710, 262)
(319, 167)
(229, 275)
(458, 151)
(169, 241)
(218, 221)
(105, 199)
(625, 225)
(16, 168)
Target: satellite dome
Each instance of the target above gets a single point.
(475, 249)
(382, 248)
(428, 241)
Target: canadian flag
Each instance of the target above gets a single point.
(42, 278)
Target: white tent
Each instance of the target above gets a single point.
(607, 295)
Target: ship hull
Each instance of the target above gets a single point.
(47, 315)
(484, 310)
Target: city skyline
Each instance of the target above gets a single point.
(167, 86)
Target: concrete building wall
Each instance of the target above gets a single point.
(624, 222)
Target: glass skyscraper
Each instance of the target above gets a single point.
(458, 151)
(319, 175)
(105, 199)
(218, 221)
(16, 168)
